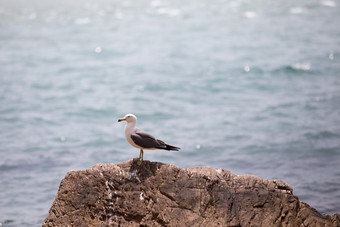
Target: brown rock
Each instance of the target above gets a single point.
(156, 194)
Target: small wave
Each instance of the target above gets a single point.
(328, 3)
(303, 66)
(295, 69)
(325, 134)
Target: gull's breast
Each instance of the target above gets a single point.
(128, 138)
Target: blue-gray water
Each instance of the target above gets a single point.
(248, 86)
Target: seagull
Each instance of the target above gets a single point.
(142, 140)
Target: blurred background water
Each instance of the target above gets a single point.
(252, 86)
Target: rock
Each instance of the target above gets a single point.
(157, 194)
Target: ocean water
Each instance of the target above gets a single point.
(251, 86)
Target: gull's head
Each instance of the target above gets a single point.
(128, 118)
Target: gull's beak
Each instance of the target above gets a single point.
(121, 119)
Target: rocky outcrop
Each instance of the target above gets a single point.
(157, 194)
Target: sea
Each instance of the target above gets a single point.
(250, 86)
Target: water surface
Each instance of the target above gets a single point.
(248, 86)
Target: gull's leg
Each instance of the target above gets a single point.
(140, 161)
(140, 154)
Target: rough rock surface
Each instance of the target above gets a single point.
(157, 194)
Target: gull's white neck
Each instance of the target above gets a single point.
(129, 127)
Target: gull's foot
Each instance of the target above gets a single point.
(139, 162)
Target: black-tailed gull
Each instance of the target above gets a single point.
(142, 140)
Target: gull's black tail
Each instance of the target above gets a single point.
(171, 148)
(165, 146)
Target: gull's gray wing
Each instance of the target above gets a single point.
(146, 140)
